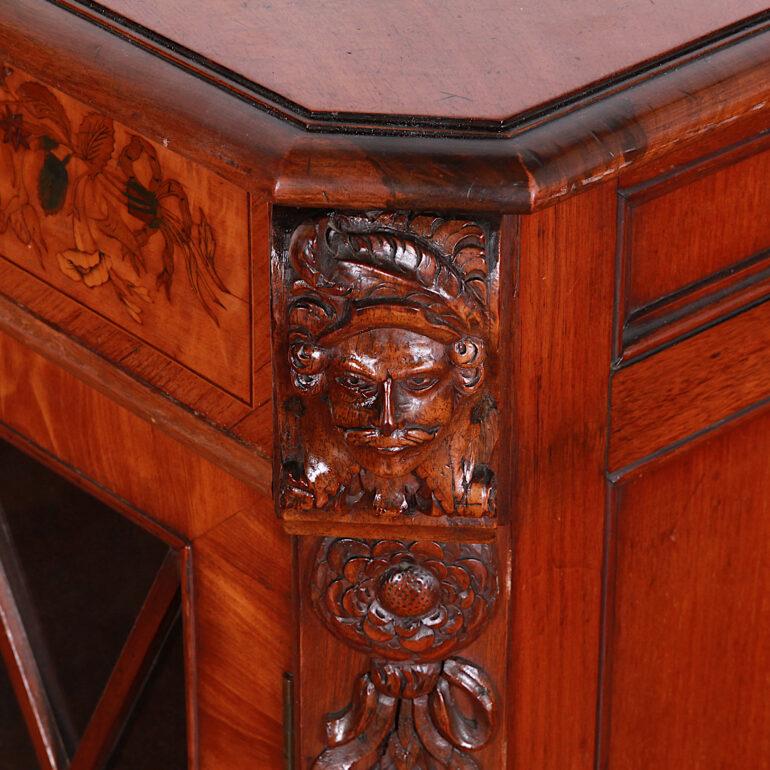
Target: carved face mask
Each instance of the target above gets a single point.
(391, 394)
(387, 328)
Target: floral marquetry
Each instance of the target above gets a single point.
(126, 227)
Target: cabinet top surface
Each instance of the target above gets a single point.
(480, 61)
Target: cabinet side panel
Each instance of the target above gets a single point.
(80, 427)
(243, 638)
(563, 352)
(689, 643)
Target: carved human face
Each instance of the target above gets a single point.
(391, 394)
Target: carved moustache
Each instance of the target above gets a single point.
(397, 441)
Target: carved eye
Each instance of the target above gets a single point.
(358, 384)
(420, 382)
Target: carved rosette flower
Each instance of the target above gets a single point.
(409, 604)
(405, 600)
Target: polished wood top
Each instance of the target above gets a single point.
(487, 61)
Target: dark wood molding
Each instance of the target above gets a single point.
(546, 159)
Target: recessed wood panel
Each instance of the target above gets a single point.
(682, 231)
(694, 245)
(143, 237)
(690, 386)
(689, 632)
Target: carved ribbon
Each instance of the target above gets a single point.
(408, 603)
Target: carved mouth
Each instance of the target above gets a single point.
(393, 443)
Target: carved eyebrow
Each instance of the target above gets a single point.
(357, 366)
(430, 368)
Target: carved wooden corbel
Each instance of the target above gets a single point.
(410, 605)
(386, 340)
(386, 331)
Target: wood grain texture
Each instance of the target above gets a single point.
(688, 640)
(171, 483)
(185, 427)
(562, 339)
(686, 388)
(244, 627)
(485, 63)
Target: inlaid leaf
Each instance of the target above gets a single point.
(95, 140)
(52, 183)
(42, 103)
(114, 227)
(206, 238)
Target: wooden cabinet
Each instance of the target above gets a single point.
(412, 366)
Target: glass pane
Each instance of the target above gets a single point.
(156, 735)
(16, 751)
(86, 571)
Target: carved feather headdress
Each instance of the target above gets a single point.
(354, 273)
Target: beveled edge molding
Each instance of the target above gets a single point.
(543, 160)
(410, 605)
(386, 332)
(348, 122)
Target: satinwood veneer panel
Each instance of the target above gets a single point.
(129, 229)
(688, 635)
(182, 491)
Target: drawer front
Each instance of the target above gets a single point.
(125, 244)
(692, 241)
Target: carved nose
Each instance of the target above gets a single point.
(387, 418)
